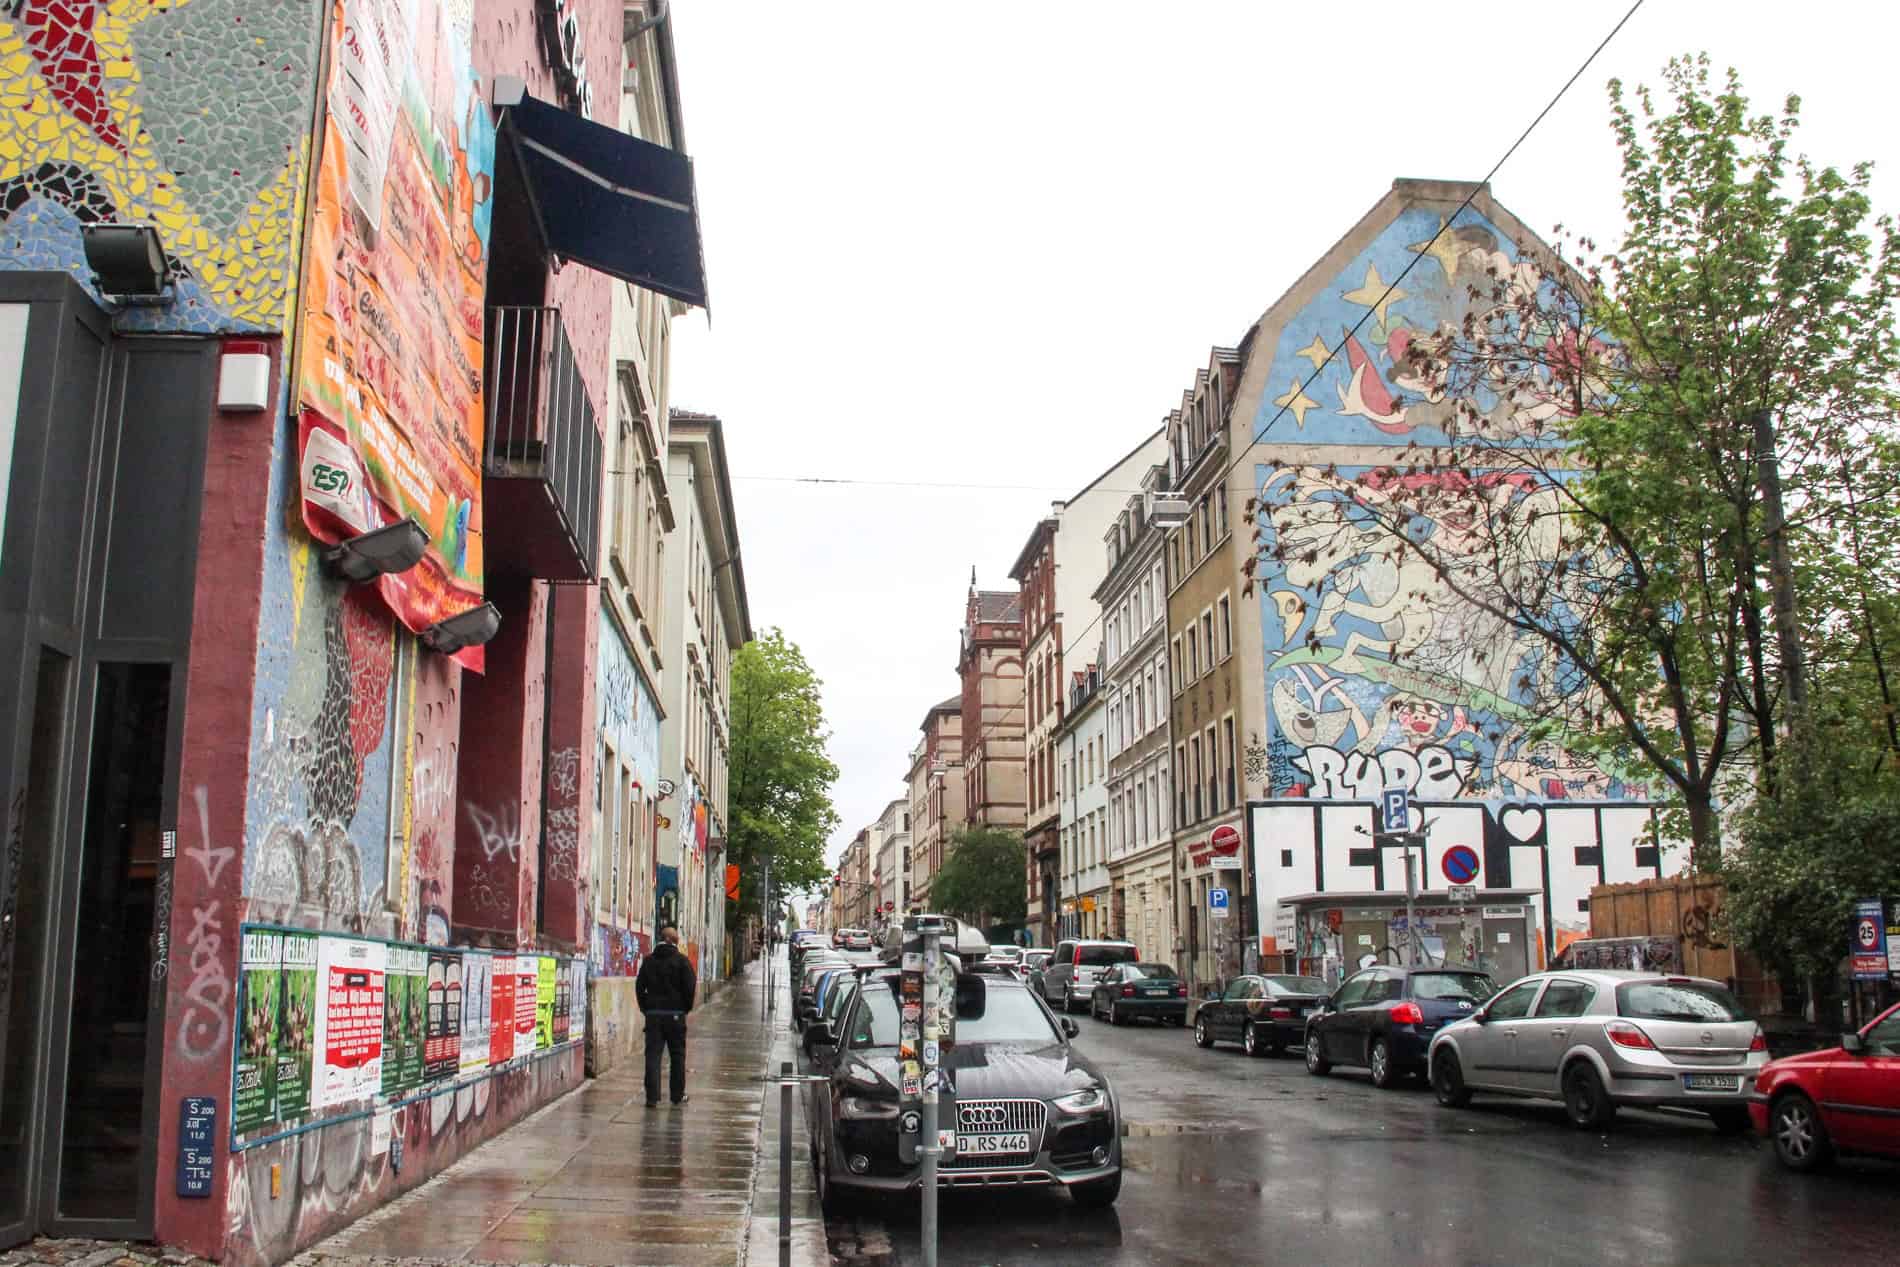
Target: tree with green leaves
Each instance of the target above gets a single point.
(1613, 421)
(982, 879)
(781, 776)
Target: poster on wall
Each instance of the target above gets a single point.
(576, 999)
(254, 1089)
(350, 1020)
(546, 982)
(442, 1044)
(390, 373)
(501, 1012)
(477, 997)
(561, 994)
(527, 1001)
(404, 1003)
(296, 1025)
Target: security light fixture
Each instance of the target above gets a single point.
(127, 260)
(470, 629)
(394, 548)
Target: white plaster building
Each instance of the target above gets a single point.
(1081, 748)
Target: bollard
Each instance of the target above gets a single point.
(785, 1164)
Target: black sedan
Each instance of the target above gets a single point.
(1383, 1018)
(1264, 1014)
(1022, 1107)
(1131, 991)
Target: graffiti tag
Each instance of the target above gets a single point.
(496, 833)
(1430, 773)
(205, 1024)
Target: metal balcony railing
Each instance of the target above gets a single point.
(543, 455)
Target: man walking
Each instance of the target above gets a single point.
(664, 990)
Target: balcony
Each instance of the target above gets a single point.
(541, 464)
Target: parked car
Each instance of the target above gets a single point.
(1133, 991)
(1604, 1038)
(821, 1028)
(1035, 959)
(1024, 1107)
(1071, 971)
(1383, 1018)
(1265, 1014)
(1006, 954)
(806, 984)
(1845, 1099)
(855, 939)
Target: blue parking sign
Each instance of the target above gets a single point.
(1397, 803)
(1217, 899)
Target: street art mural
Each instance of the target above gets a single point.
(192, 115)
(1377, 675)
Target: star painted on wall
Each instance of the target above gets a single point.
(1317, 353)
(1373, 295)
(1297, 402)
(1440, 247)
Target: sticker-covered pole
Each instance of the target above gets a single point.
(928, 1146)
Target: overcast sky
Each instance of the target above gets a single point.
(990, 245)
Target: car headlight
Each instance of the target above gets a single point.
(859, 1106)
(1087, 1100)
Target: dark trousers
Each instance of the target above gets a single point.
(666, 1032)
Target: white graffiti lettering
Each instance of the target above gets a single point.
(205, 1022)
(497, 833)
(1432, 772)
(564, 772)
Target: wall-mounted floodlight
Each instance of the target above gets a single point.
(127, 260)
(470, 629)
(395, 548)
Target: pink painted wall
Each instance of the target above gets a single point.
(207, 875)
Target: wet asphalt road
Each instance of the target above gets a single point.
(1233, 1160)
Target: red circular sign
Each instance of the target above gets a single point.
(1226, 839)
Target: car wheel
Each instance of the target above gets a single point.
(1585, 1101)
(1385, 1075)
(1098, 1194)
(1729, 1121)
(1801, 1142)
(1068, 1000)
(1448, 1080)
(1250, 1041)
(1316, 1062)
(1115, 1014)
(832, 1199)
(1203, 1036)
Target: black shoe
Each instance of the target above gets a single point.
(683, 1099)
(653, 1104)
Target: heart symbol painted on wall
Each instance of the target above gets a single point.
(1522, 822)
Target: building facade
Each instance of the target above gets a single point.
(1363, 671)
(706, 621)
(936, 795)
(284, 718)
(1203, 570)
(1133, 599)
(1081, 750)
(990, 666)
(893, 861)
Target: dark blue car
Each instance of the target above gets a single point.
(1383, 1018)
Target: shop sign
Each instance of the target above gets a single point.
(566, 51)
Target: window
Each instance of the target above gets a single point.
(1213, 771)
(1227, 727)
(1194, 747)
(1677, 1001)
(1356, 989)
(1515, 1003)
(1180, 785)
(1175, 654)
(1226, 628)
(1207, 535)
(1193, 656)
(1207, 635)
(1565, 998)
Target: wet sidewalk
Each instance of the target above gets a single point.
(598, 1178)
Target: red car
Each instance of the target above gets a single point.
(1844, 1099)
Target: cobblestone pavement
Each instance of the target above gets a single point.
(79, 1252)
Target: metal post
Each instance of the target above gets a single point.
(927, 1145)
(1411, 891)
(785, 1164)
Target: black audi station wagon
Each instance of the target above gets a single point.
(1023, 1107)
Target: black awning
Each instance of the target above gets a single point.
(613, 202)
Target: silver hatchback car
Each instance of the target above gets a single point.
(1600, 1039)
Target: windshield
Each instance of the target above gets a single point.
(1009, 1015)
(1152, 971)
(1452, 987)
(1102, 956)
(1295, 985)
(1677, 1001)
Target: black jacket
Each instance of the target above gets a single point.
(666, 982)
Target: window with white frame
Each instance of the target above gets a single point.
(1226, 628)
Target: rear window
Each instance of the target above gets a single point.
(1295, 985)
(1677, 1001)
(1452, 987)
(1102, 956)
(1155, 971)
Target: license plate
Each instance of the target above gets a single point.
(1159, 992)
(1710, 1082)
(991, 1145)
(1305, 1012)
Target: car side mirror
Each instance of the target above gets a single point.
(1482, 1015)
(819, 1034)
(1852, 1044)
(1069, 1026)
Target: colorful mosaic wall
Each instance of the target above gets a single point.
(193, 115)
